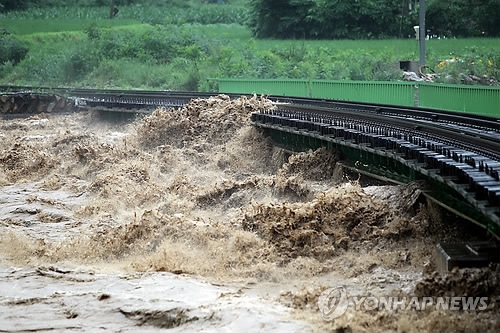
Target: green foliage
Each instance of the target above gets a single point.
(93, 32)
(79, 62)
(384, 71)
(368, 19)
(320, 19)
(157, 44)
(463, 18)
(6, 5)
(46, 71)
(6, 69)
(88, 49)
(128, 73)
(474, 61)
(12, 50)
(201, 14)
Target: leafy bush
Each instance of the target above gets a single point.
(385, 71)
(93, 32)
(45, 70)
(79, 62)
(7, 5)
(157, 44)
(6, 69)
(126, 73)
(480, 64)
(12, 50)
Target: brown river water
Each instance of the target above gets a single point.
(191, 220)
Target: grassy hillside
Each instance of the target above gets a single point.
(180, 48)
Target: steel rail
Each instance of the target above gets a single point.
(485, 142)
(450, 117)
(469, 165)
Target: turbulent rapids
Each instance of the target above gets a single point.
(197, 198)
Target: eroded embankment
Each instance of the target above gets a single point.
(33, 103)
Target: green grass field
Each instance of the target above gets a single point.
(166, 48)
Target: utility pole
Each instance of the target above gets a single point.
(421, 31)
(112, 9)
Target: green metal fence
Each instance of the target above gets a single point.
(399, 93)
(471, 99)
(285, 87)
(462, 98)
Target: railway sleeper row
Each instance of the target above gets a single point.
(129, 103)
(329, 124)
(450, 119)
(469, 171)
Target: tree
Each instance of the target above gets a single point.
(6, 5)
(365, 19)
(331, 18)
(12, 50)
(463, 18)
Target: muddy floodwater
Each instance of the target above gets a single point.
(191, 220)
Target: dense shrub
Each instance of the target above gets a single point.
(41, 71)
(6, 5)
(158, 44)
(80, 61)
(12, 50)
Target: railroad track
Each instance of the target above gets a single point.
(458, 154)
